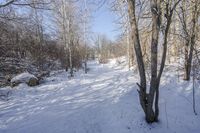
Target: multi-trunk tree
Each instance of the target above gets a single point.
(161, 17)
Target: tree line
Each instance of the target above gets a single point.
(47, 32)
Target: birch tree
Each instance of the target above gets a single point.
(65, 13)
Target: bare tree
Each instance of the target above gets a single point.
(119, 7)
(189, 30)
(66, 24)
(149, 101)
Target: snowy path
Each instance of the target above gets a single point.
(103, 101)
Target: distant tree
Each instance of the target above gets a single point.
(189, 16)
(119, 7)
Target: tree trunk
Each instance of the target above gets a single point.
(190, 43)
(138, 52)
(149, 102)
(186, 68)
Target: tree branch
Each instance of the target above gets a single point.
(7, 4)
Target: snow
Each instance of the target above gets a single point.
(103, 101)
(23, 77)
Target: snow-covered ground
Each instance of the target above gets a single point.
(103, 101)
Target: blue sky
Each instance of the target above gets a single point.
(103, 22)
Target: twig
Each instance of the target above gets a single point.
(166, 114)
(193, 90)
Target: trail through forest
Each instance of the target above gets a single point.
(103, 101)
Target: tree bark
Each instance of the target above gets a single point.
(156, 20)
(149, 102)
(138, 52)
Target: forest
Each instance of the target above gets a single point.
(99, 66)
